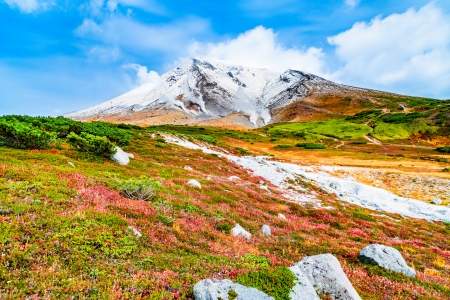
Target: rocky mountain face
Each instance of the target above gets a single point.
(202, 90)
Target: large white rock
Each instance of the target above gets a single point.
(386, 257)
(325, 273)
(303, 289)
(266, 231)
(194, 183)
(121, 157)
(239, 231)
(211, 289)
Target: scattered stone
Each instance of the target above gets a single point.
(325, 273)
(239, 231)
(209, 178)
(386, 257)
(282, 217)
(212, 289)
(135, 231)
(303, 289)
(71, 164)
(188, 168)
(121, 157)
(266, 231)
(234, 178)
(436, 201)
(194, 183)
(264, 187)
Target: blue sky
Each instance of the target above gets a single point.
(58, 56)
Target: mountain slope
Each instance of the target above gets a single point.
(203, 91)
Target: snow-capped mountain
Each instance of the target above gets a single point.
(205, 90)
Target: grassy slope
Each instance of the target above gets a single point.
(63, 230)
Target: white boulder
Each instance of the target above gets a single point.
(386, 257)
(121, 157)
(234, 178)
(212, 289)
(266, 231)
(188, 168)
(303, 289)
(239, 231)
(325, 273)
(194, 183)
(135, 231)
(282, 217)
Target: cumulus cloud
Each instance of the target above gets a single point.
(143, 75)
(407, 52)
(260, 47)
(29, 6)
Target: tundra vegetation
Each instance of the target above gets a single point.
(66, 211)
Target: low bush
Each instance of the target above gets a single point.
(89, 143)
(18, 135)
(310, 146)
(445, 149)
(276, 282)
(142, 188)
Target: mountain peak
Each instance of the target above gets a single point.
(203, 90)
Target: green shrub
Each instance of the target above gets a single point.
(445, 149)
(282, 147)
(19, 135)
(276, 282)
(310, 146)
(142, 188)
(89, 143)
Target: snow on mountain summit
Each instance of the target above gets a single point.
(206, 90)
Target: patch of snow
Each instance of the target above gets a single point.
(266, 231)
(213, 289)
(325, 273)
(121, 157)
(436, 201)
(194, 183)
(239, 231)
(386, 257)
(284, 176)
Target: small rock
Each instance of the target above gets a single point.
(266, 231)
(264, 187)
(282, 217)
(386, 257)
(188, 168)
(194, 183)
(325, 273)
(5, 211)
(121, 157)
(213, 289)
(135, 231)
(303, 289)
(233, 178)
(239, 231)
(436, 201)
(71, 164)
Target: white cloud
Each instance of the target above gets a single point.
(143, 75)
(131, 35)
(101, 7)
(407, 52)
(260, 47)
(352, 3)
(29, 6)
